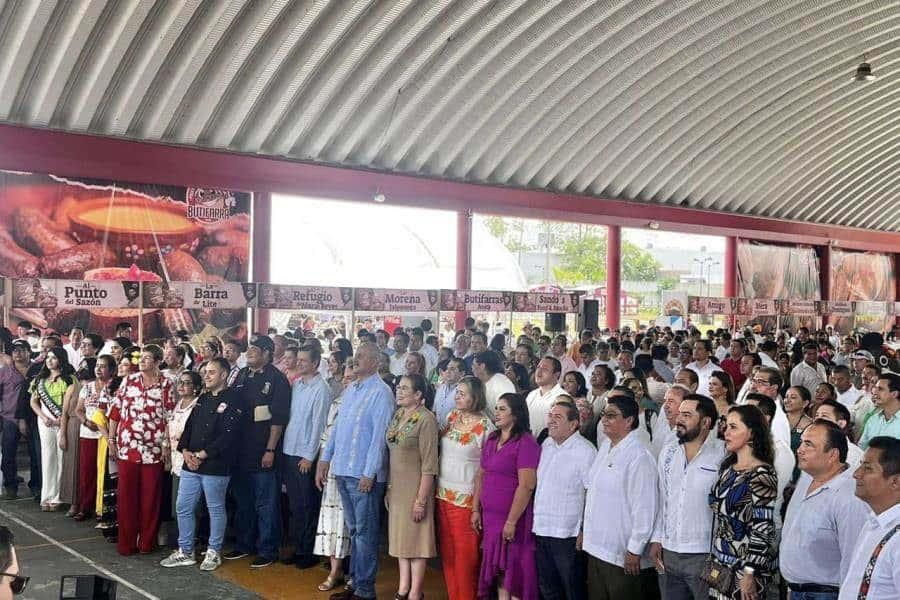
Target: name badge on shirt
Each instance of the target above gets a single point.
(266, 388)
(221, 408)
(262, 413)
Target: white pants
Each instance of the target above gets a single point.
(51, 463)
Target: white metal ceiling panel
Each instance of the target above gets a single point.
(742, 106)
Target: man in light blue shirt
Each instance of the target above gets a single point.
(310, 401)
(357, 454)
(886, 420)
(445, 395)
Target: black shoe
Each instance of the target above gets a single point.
(306, 562)
(347, 594)
(259, 562)
(234, 555)
(289, 560)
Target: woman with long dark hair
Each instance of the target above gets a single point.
(336, 364)
(107, 468)
(462, 441)
(188, 387)
(88, 435)
(575, 386)
(498, 343)
(52, 393)
(721, 390)
(503, 504)
(743, 501)
(332, 536)
(796, 404)
(519, 376)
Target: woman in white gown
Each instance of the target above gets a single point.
(332, 537)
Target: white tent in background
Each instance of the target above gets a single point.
(322, 242)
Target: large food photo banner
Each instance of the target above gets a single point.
(779, 272)
(862, 277)
(99, 232)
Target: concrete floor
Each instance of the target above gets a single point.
(49, 545)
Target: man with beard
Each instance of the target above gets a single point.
(688, 467)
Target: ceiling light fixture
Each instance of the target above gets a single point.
(864, 71)
(378, 197)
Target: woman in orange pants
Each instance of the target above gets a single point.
(461, 442)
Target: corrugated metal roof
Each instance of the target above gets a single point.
(741, 106)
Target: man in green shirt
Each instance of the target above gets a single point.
(885, 421)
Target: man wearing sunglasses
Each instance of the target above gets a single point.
(11, 582)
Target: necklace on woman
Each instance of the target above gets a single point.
(797, 424)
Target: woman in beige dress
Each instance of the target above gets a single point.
(412, 439)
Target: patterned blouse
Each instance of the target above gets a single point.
(96, 397)
(460, 459)
(142, 413)
(744, 530)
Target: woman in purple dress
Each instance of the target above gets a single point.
(502, 504)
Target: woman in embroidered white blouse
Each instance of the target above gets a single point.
(461, 442)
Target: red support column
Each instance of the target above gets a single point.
(261, 253)
(463, 259)
(731, 279)
(613, 276)
(730, 271)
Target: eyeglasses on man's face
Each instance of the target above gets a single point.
(17, 582)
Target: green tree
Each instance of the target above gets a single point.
(582, 260)
(638, 264)
(511, 232)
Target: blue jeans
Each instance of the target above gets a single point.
(362, 514)
(812, 595)
(190, 486)
(257, 495)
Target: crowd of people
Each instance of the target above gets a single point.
(621, 464)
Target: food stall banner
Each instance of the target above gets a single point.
(476, 301)
(871, 308)
(103, 231)
(68, 294)
(396, 300)
(753, 307)
(302, 297)
(796, 307)
(837, 308)
(705, 305)
(675, 304)
(194, 295)
(545, 302)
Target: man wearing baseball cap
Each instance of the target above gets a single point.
(858, 362)
(266, 399)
